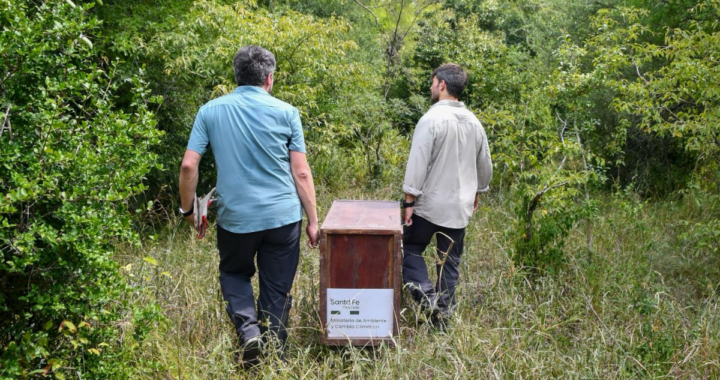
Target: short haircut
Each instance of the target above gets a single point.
(454, 76)
(252, 65)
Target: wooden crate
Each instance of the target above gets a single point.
(360, 260)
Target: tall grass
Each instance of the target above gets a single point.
(642, 304)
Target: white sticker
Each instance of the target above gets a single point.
(359, 313)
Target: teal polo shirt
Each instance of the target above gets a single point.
(251, 134)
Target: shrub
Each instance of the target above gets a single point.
(71, 163)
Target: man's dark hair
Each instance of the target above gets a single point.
(252, 65)
(454, 76)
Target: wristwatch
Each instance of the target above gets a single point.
(187, 213)
(407, 204)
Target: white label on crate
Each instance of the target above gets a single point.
(359, 313)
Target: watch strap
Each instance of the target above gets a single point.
(189, 212)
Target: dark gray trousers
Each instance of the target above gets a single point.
(278, 253)
(416, 238)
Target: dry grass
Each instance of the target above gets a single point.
(642, 305)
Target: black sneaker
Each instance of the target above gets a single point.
(429, 306)
(251, 352)
(441, 320)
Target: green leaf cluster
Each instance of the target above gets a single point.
(71, 162)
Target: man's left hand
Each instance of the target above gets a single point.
(313, 234)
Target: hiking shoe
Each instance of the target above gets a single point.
(251, 349)
(441, 320)
(429, 305)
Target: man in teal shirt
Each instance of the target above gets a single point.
(263, 180)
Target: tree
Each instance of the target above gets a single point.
(71, 164)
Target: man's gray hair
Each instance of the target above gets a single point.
(252, 65)
(454, 76)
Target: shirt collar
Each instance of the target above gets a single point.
(250, 89)
(448, 102)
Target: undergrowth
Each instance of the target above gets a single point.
(643, 303)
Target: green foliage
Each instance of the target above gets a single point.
(575, 97)
(701, 234)
(666, 89)
(336, 95)
(535, 122)
(71, 163)
(656, 340)
(540, 248)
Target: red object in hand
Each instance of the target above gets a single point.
(202, 227)
(201, 209)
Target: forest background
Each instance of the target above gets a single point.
(596, 255)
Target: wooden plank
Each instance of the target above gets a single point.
(368, 216)
(324, 276)
(397, 278)
(360, 261)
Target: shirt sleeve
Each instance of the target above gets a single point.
(297, 138)
(420, 152)
(484, 164)
(199, 136)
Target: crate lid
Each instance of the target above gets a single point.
(349, 216)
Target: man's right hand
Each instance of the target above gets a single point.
(313, 233)
(408, 213)
(306, 191)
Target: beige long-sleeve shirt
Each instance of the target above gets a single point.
(449, 163)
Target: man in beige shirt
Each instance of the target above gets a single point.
(449, 165)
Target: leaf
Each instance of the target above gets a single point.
(86, 40)
(69, 325)
(151, 260)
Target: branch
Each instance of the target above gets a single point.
(397, 24)
(303, 39)
(588, 223)
(12, 70)
(6, 123)
(637, 70)
(536, 199)
(417, 14)
(371, 12)
(562, 139)
(564, 126)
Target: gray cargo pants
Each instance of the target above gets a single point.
(278, 253)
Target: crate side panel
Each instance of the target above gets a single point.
(360, 261)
